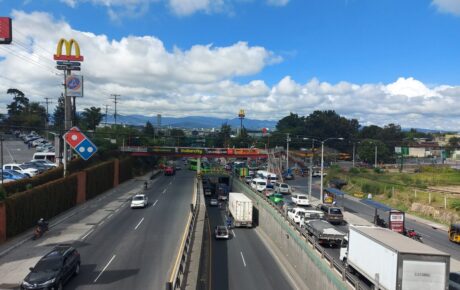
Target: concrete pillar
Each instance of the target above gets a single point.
(2, 222)
(116, 173)
(81, 187)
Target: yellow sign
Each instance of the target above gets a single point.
(68, 50)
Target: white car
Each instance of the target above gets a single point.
(318, 174)
(21, 169)
(296, 214)
(301, 199)
(282, 188)
(221, 232)
(139, 200)
(213, 202)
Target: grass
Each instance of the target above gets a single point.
(402, 190)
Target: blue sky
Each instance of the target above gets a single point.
(394, 47)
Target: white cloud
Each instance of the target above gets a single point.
(187, 7)
(200, 80)
(447, 6)
(277, 2)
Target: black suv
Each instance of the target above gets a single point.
(54, 269)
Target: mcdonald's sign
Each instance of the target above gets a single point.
(6, 31)
(68, 50)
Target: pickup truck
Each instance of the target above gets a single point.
(324, 232)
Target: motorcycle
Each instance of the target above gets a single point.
(380, 222)
(413, 235)
(40, 229)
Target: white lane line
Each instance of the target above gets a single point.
(164, 190)
(242, 257)
(233, 233)
(170, 182)
(85, 236)
(104, 268)
(139, 223)
(155, 203)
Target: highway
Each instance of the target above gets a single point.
(136, 248)
(431, 236)
(243, 262)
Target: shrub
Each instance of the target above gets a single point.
(47, 200)
(354, 170)
(455, 204)
(99, 178)
(373, 188)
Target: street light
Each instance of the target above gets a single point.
(322, 160)
(354, 152)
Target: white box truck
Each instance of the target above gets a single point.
(240, 209)
(392, 261)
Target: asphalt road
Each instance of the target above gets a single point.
(243, 261)
(431, 236)
(136, 248)
(15, 151)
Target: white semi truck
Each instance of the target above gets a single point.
(240, 209)
(392, 261)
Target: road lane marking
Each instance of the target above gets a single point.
(85, 236)
(233, 233)
(104, 268)
(139, 223)
(155, 203)
(242, 257)
(164, 190)
(170, 182)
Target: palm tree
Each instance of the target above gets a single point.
(91, 117)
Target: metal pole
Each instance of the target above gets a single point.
(375, 156)
(67, 118)
(354, 145)
(1, 157)
(322, 168)
(287, 151)
(310, 169)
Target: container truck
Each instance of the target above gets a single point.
(391, 261)
(240, 209)
(324, 232)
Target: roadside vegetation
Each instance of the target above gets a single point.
(409, 192)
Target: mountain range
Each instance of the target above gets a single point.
(191, 122)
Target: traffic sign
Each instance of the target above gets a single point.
(86, 149)
(69, 63)
(65, 67)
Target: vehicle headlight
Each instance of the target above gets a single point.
(46, 283)
(25, 283)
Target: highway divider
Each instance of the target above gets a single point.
(178, 273)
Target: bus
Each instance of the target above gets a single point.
(193, 165)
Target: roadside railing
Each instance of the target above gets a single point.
(333, 262)
(176, 279)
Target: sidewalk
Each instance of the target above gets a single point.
(71, 227)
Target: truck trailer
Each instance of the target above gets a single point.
(391, 261)
(240, 209)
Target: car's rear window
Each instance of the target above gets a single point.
(138, 198)
(284, 185)
(335, 211)
(301, 197)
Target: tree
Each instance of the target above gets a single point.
(34, 115)
(223, 138)
(453, 142)
(366, 151)
(370, 132)
(19, 104)
(91, 117)
(59, 113)
(148, 129)
(292, 124)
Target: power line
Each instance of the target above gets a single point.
(115, 101)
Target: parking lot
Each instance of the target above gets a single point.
(15, 151)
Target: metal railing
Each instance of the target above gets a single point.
(334, 263)
(177, 275)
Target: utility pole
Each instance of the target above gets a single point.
(287, 151)
(47, 102)
(67, 117)
(106, 110)
(310, 169)
(375, 156)
(115, 101)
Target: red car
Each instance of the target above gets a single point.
(169, 170)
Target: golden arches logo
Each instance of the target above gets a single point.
(68, 50)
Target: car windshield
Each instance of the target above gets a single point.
(138, 197)
(50, 264)
(301, 197)
(284, 186)
(335, 211)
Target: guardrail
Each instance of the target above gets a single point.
(334, 263)
(177, 275)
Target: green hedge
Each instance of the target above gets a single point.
(99, 178)
(48, 200)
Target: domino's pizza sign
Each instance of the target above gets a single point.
(80, 143)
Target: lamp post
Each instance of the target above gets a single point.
(354, 152)
(322, 161)
(375, 166)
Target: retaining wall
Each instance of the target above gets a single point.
(316, 273)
